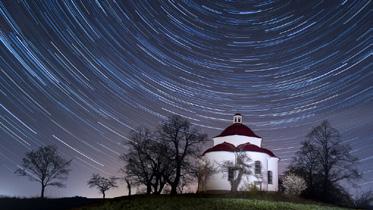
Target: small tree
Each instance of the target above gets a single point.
(237, 169)
(128, 182)
(46, 167)
(203, 170)
(103, 184)
(293, 184)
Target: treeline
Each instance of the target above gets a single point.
(165, 156)
(167, 159)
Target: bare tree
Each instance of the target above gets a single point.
(103, 184)
(182, 141)
(335, 161)
(137, 165)
(162, 170)
(46, 167)
(146, 161)
(156, 159)
(237, 169)
(323, 161)
(306, 165)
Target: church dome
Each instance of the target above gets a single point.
(238, 129)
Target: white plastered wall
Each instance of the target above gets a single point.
(219, 180)
(273, 166)
(237, 140)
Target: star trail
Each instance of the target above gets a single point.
(82, 74)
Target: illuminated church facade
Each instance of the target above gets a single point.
(238, 138)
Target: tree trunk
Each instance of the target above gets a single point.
(148, 189)
(234, 187)
(155, 188)
(42, 191)
(176, 181)
(310, 181)
(236, 182)
(199, 184)
(157, 192)
(161, 186)
(128, 187)
(103, 195)
(173, 189)
(325, 187)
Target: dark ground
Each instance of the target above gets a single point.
(88, 203)
(46, 204)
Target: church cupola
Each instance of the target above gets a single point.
(237, 118)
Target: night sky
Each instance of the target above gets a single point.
(82, 74)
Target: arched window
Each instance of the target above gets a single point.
(258, 167)
(269, 177)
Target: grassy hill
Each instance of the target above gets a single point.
(195, 202)
(254, 201)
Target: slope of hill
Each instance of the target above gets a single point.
(200, 203)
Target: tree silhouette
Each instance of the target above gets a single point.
(164, 156)
(182, 141)
(146, 161)
(103, 184)
(45, 166)
(323, 161)
(137, 165)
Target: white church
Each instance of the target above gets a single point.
(238, 138)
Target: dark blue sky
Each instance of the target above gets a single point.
(82, 74)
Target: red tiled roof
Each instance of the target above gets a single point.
(238, 129)
(247, 147)
(253, 148)
(227, 147)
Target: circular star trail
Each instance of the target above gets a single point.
(82, 74)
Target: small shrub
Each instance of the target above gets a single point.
(293, 184)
